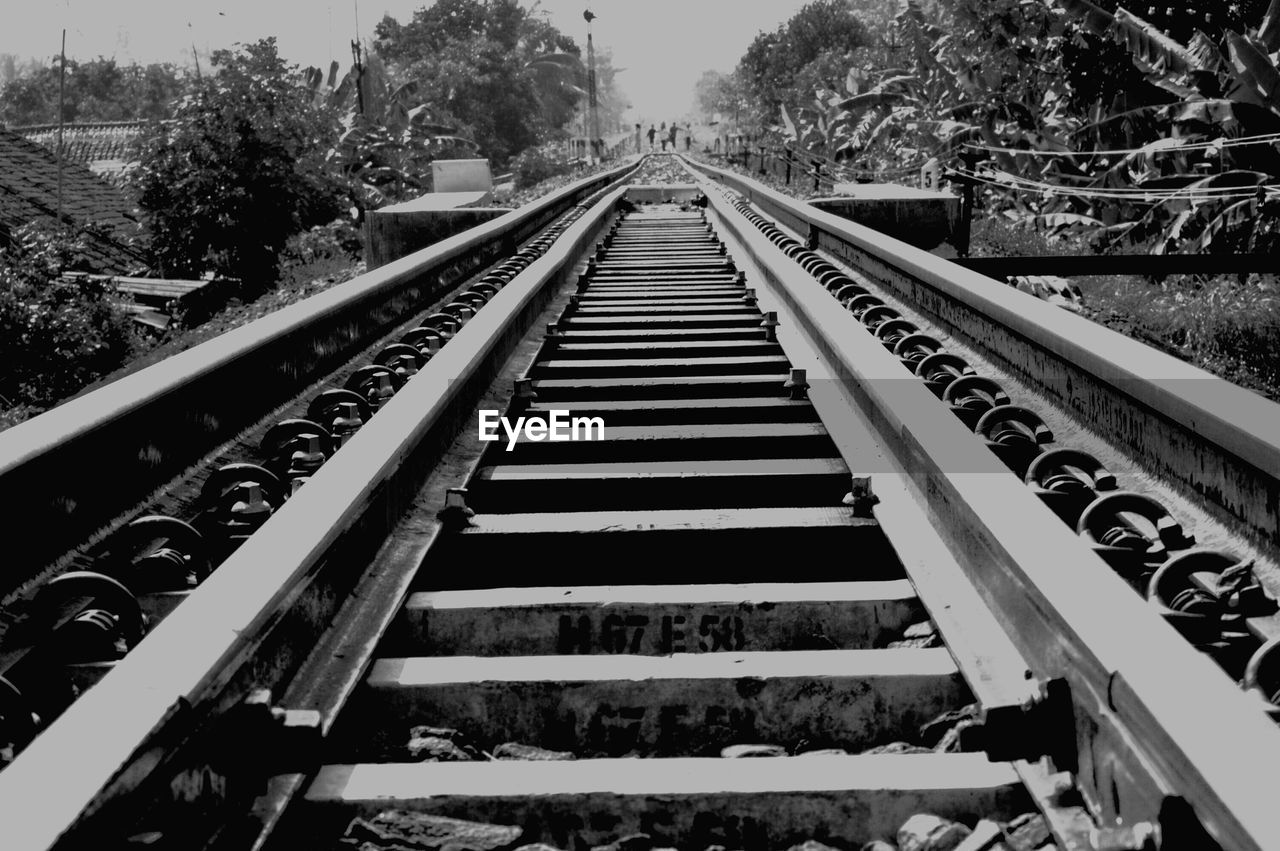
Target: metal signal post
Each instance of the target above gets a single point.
(593, 111)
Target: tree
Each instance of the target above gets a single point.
(238, 170)
(611, 101)
(1051, 90)
(717, 93)
(773, 61)
(98, 90)
(13, 66)
(474, 61)
(574, 83)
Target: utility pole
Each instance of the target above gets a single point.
(355, 55)
(592, 104)
(359, 68)
(194, 55)
(62, 90)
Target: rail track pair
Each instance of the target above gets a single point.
(775, 500)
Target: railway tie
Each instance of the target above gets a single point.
(682, 626)
(667, 533)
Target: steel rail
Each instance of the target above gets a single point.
(258, 615)
(1155, 719)
(1138, 691)
(1215, 440)
(78, 466)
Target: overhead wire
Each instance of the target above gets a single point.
(1221, 142)
(1007, 181)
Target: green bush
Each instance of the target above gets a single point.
(238, 171)
(1225, 320)
(339, 238)
(537, 164)
(55, 336)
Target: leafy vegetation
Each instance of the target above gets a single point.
(97, 90)
(500, 72)
(54, 335)
(777, 64)
(1103, 126)
(262, 171)
(541, 163)
(1149, 134)
(388, 137)
(238, 170)
(257, 150)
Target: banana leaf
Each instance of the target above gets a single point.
(1205, 53)
(1057, 222)
(871, 99)
(565, 61)
(790, 125)
(1255, 69)
(1095, 19)
(1269, 32)
(1238, 215)
(1149, 44)
(856, 77)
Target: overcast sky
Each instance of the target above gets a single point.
(664, 45)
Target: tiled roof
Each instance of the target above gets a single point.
(29, 193)
(89, 142)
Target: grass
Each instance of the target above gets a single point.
(1228, 325)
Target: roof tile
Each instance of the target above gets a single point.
(29, 193)
(90, 142)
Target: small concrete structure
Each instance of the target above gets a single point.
(401, 229)
(461, 176)
(922, 217)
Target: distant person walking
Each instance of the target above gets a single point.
(652, 133)
(671, 136)
(663, 135)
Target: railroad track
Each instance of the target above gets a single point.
(76, 602)
(575, 641)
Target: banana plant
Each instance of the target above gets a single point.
(388, 137)
(1226, 88)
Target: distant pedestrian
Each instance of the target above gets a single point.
(671, 136)
(652, 133)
